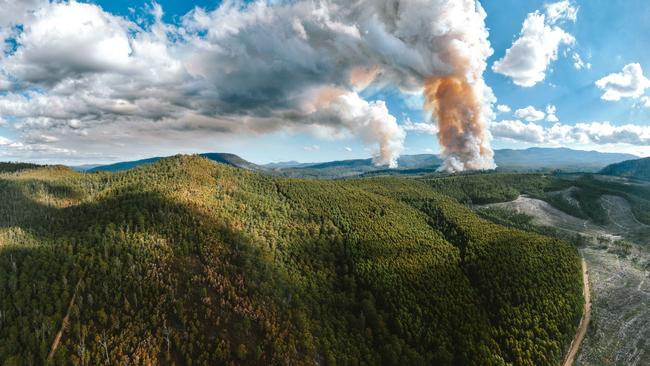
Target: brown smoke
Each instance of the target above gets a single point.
(462, 132)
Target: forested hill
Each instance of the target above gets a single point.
(637, 169)
(224, 158)
(190, 262)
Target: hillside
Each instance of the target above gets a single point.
(185, 261)
(636, 169)
(224, 158)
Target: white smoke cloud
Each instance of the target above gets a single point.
(629, 83)
(370, 121)
(531, 54)
(95, 81)
(530, 114)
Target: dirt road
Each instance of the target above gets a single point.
(584, 322)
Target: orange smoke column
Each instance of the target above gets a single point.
(462, 129)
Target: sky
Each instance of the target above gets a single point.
(103, 81)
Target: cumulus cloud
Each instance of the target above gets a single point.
(530, 55)
(502, 108)
(4, 141)
(57, 35)
(530, 114)
(551, 110)
(518, 131)
(561, 10)
(98, 82)
(593, 133)
(629, 83)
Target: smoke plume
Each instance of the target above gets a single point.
(459, 100)
(246, 68)
(462, 132)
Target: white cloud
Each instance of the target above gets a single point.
(518, 131)
(311, 148)
(348, 149)
(529, 114)
(629, 83)
(531, 54)
(578, 63)
(4, 141)
(97, 82)
(645, 101)
(502, 108)
(551, 110)
(593, 133)
(420, 127)
(5, 84)
(561, 10)
(552, 118)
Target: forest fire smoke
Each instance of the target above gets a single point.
(462, 129)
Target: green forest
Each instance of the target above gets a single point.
(191, 262)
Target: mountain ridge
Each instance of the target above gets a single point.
(531, 159)
(635, 168)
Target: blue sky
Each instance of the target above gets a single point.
(610, 34)
(607, 36)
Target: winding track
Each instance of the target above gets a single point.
(584, 322)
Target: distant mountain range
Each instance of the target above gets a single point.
(533, 159)
(637, 169)
(537, 158)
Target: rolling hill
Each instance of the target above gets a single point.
(188, 261)
(225, 158)
(636, 169)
